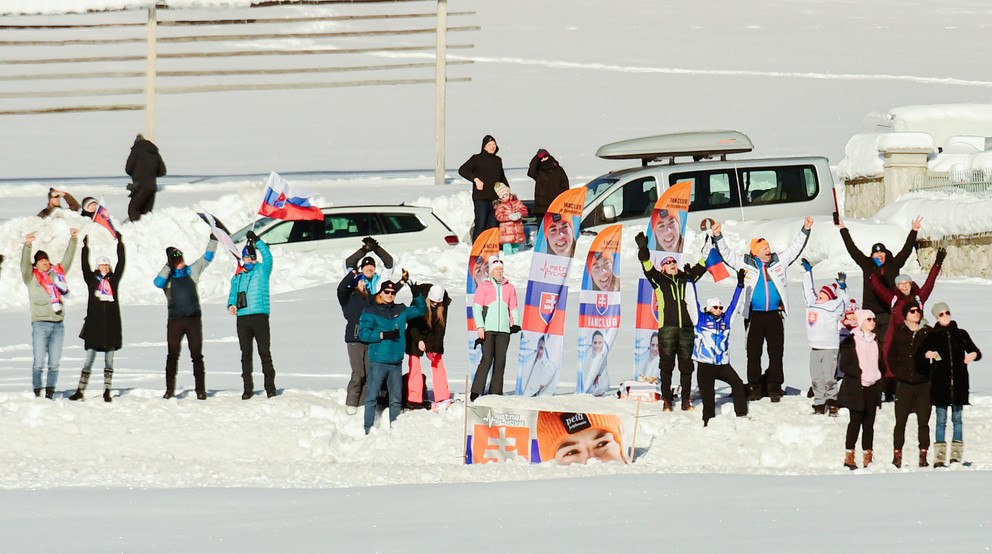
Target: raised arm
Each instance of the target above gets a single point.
(119, 268)
(808, 288)
(927, 287)
(87, 268)
(795, 248)
(900, 259)
(852, 249)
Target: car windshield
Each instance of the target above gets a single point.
(261, 223)
(597, 187)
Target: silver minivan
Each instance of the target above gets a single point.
(722, 189)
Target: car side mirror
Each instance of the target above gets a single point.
(609, 214)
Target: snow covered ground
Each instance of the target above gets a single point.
(296, 474)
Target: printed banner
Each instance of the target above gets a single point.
(505, 434)
(485, 245)
(665, 239)
(547, 295)
(599, 311)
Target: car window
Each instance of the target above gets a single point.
(634, 199)
(402, 223)
(710, 189)
(279, 234)
(357, 224)
(778, 185)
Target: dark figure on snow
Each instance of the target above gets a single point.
(178, 281)
(249, 300)
(549, 180)
(675, 329)
(882, 263)
(145, 166)
(913, 377)
(55, 197)
(767, 303)
(102, 326)
(484, 170)
(948, 351)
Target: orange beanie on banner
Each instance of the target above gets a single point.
(757, 245)
(554, 427)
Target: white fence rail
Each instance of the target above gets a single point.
(976, 182)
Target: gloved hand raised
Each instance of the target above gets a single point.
(251, 236)
(740, 277)
(642, 247)
(806, 265)
(842, 280)
(941, 254)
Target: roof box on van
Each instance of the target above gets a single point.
(698, 144)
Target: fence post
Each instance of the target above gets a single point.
(151, 57)
(903, 166)
(439, 88)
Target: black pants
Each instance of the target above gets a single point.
(256, 326)
(707, 375)
(760, 328)
(485, 217)
(141, 203)
(192, 329)
(493, 354)
(675, 341)
(912, 399)
(863, 421)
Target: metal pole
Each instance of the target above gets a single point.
(150, 75)
(440, 76)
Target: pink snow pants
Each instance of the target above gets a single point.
(439, 378)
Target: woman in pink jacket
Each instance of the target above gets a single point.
(494, 308)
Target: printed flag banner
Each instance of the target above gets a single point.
(282, 202)
(599, 311)
(547, 295)
(504, 434)
(485, 245)
(665, 239)
(102, 218)
(223, 237)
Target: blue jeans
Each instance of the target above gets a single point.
(955, 422)
(46, 339)
(108, 360)
(392, 374)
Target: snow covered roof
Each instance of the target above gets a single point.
(58, 7)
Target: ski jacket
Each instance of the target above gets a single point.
(179, 285)
(41, 303)
(775, 269)
(510, 232)
(669, 290)
(712, 334)
(487, 167)
(494, 306)
(379, 317)
(823, 320)
(550, 180)
(254, 283)
(102, 325)
(902, 360)
(949, 381)
(887, 272)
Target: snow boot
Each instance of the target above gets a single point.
(868, 458)
(923, 458)
(832, 410)
(687, 404)
(666, 405)
(201, 389)
(940, 455)
(269, 393)
(108, 376)
(957, 449)
(849, 460)
(50, 393)
(247, 394)
(819, 410)
(84, 380)
(897, 457)
(37, 393)
(170, 384)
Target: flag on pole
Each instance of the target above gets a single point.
(220, 232)
(102, 218)
(715, 265)
(282, 202)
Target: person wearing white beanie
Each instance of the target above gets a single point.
(860, 389)
(427, 338)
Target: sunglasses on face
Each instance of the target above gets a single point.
(717, 308)
(914, 310)
(388, 293)
(869, 319)
(177, 254)
(942, 314)
(669, 262)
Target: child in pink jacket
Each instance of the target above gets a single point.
(509, 213)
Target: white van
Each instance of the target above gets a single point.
(722, 189)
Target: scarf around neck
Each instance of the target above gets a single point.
(54, 284)
(104, 292)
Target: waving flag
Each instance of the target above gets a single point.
(102, 218)
(282, 202)
(715, 265)
(223, 237)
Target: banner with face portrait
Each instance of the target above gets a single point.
(665, 240)
(543, 324)
(599, 311)
(484, 246)
(513, 434)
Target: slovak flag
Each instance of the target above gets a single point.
(281, 202)
(102, 218)
(716, 267)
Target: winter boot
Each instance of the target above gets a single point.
(940, 455)
(84, 380)
(201, 389)
(832, 410)
(50, 393)
(687, 404)
(957, 449)
(170, 384)
(897, 457)
(37, 393)
(108, 376)
(269, 393)
(868, 458)
(923, 458)
(666, 405)
(819, 410)
(849, 460)
(754, 393)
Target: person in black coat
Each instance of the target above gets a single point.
(484, 170)
(913, 390)
(860, 387)
(425, 336)
(102, 326)
(549, 181)
(948, 350)
(880, 262)
(145, 166)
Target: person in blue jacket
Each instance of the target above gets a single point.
(249, 300)
(383, 327)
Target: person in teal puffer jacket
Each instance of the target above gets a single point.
(383, 326)
(249, 300)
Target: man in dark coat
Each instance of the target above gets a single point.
(549, 181)
(484, 170)
(145, 166)
(913, 389)
(880, 262)
(102, 326)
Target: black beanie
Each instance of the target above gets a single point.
(40, 255)
(175, 256)
(485, 141)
